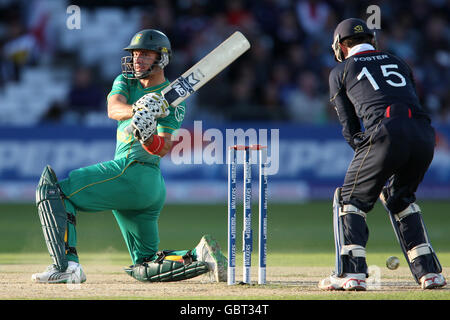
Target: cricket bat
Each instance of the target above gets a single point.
(204, 70)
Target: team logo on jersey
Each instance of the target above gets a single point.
(358, 28)
(179, 113)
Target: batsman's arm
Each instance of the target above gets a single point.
(159, 144)
(118, 109)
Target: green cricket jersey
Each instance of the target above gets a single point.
(127, 146)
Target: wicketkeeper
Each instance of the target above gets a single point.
(396, 147)
(131, 185)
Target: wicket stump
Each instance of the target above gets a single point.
(247, 233)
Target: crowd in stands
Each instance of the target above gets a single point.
(284, 77)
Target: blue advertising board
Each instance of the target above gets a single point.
(305, 162)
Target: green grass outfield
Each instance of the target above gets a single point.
(298, 235)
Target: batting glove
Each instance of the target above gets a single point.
(144, 125)
(154, 103)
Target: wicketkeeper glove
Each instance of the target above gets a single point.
(144, 125)
(154, 103)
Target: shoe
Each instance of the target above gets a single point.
(349, 282)
(73, 274)
(208, 251)
(432, 281)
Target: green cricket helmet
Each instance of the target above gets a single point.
(148, 39)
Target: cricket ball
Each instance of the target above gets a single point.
(392, 263)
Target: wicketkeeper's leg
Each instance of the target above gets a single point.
(350, 235)
(412, 236)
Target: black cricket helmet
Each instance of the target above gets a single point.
(346, 29)
(148, 39)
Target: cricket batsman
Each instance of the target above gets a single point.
(392, 155)
(131, 185)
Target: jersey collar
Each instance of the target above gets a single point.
(360, 48)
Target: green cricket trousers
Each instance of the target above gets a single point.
(134, 191)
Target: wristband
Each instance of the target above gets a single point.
(156, 146)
